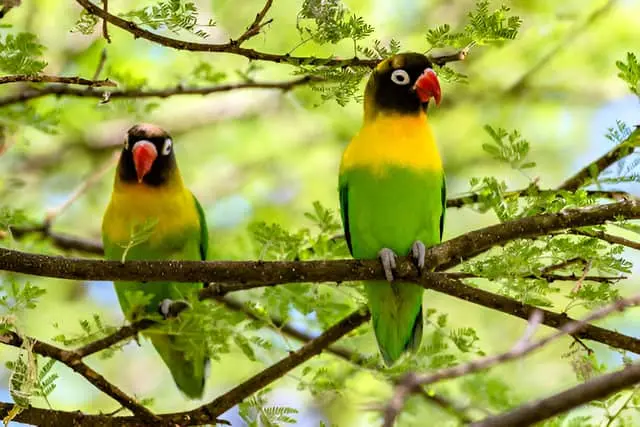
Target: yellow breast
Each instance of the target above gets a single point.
(133, 205)
(393, 140)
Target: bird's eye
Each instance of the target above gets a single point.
(400, 77)
(126, 143)
(166, 148)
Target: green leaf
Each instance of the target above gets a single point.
(630, 72)
(19, 54)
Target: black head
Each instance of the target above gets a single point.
(147, 156)
(403, 83)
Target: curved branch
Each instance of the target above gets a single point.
(593, 169)
(233, 46)
(412, 381)
(207, 413)
(105, 96)
(54, 418)
(257, 24)
(597, 388)
(72, 360)
(44, 78)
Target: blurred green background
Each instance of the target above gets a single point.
(261, 155)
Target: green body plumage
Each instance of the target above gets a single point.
(179, 233)
(392, 192)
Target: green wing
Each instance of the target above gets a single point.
(204, 230)
(344, 212)
(443, 195)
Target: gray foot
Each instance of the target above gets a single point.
(170, 309)
(388, 260)
(418, 252)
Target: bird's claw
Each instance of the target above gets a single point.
(418, 252)
(171, 309)
(388, 260)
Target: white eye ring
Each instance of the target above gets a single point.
(166, 148)
(400, 77)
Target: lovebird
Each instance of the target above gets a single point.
(150, 197)
(392, 193)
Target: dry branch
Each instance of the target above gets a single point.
(412, 381)
(440, 257)
(210, 411)
(593, 169)
(596, 388)
(44, 78)
(28, 95)
(233, 46)
(72, 360)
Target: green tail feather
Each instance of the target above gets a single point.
(189, 375)
(396, 311)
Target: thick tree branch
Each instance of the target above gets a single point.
(233, 47)
(72, 360)
(596, 388)
(440, 257)
(44, 78)
(54, 418)
(105, 96)
(412, 382)
(210, 411)
(595, 168)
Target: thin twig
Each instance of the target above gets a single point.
(53, 213)
(412, 381)
(45, 78)
(582, 278)
(473, 198)
(615, 240)
(562, 265)
(105, 31)
(151, 93)
(257, 24)
(563, 43)
(101, 61)
(121, 334)
(59, 240)
(547, 276)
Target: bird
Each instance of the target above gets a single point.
(149, 196)
(392, 193)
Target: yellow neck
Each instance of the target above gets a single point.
(393, 140)
(133, 204)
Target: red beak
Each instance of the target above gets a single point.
(144, 154)
(427, 86)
